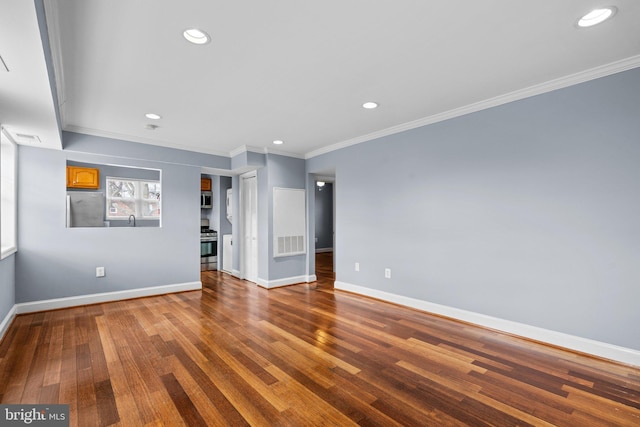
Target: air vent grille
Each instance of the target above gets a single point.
(25, 138)
(290, 245)
(289, 222)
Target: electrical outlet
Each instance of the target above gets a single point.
(387, 273)
(357, 266)
(99, 271)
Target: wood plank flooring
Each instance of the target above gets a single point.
(235, 354)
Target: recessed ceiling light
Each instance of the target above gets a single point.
(370, 105)
(196, 36)
(153, 116)
(278, 142)
(151, 127)
(596, 16)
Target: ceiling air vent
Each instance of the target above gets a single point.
(23, 138)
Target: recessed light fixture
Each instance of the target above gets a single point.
(153, 116)
(370, 105)
(151, 127)
(278, 142)
(596, 16)
(196, 36)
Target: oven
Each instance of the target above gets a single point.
(208, 253)
(208, 247)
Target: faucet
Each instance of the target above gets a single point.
(134, 220)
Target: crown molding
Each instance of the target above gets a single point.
(237, 151)
(265, 150)
(245, 148)
(268, 150)
(551, 85)
(8, 135)
(148, 141)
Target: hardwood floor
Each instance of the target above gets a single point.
(235, 354)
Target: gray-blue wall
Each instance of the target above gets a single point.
(7, 286)
(55, 262)
(282, 172)
(527, 212)
(79, 143)
(224, 183)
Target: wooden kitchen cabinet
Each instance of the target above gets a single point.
(205, 184)
(81, 177)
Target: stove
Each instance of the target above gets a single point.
(207, 232)
(208, 247)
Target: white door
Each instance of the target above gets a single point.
(249, 222)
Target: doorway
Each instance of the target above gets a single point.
(324, 230)
(249, 226)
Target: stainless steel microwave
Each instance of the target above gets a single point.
(206, 199)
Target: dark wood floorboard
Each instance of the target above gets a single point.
(236, 354)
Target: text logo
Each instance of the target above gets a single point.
(34, 415)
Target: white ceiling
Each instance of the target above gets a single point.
(299, 70)
(26, 99)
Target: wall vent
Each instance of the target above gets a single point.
(288, 245)
(25, 138)
(289, 222)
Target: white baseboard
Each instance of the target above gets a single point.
(52, 304)
(7, 321)
(270, 284)
(559, 339)
(322, 250)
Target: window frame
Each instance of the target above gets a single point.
(8, 147)
(138, 199)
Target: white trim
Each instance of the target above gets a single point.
(53, 304)
(270, 284)
(265, 150)
(559, 339)
(236, 273)
(7, 321)
(53, 31)
(10, 247)
(268, 150)
(245, 148)
(6, 252)
(242, 212)
(551, 85)
(322, 250)
(141, 140)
